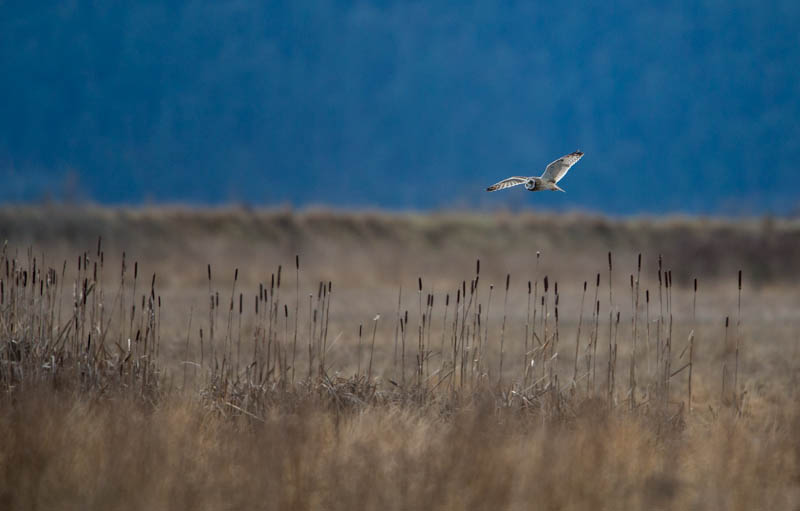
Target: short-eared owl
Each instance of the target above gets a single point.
(552, 175)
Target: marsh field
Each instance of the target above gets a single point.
(178, 358)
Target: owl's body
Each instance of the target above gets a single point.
(537, 184)
(548, 180)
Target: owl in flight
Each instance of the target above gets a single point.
(552, 175)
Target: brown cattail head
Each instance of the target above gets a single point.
(537, 255)
(447, 299)
(236, 274)
(726, 321)
(639, 264)
(647, 295)
(240, 303)
(597, 283)
(659, 263)
(285, 311)
(330, 287)
(209, 272)
(257, 299)
(135, 270)
(631, 280)
(546, 284)
(279, 276)
(508, 280)
(405, 317)
(529, 287)
(555, 289)
(598, 307)
(99, 244)
(584, 286)
(478, 267)
(740, 280)
(610, 266)
(420, 284)
(458, 296)
(695, 285)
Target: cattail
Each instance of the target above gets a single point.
(296, 311)
(372, 347)
(503, 332)
(578, 335)
(358, 370)
(738, 340)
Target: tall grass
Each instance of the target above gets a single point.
(241, 426)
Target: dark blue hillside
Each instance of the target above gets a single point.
(683, 106)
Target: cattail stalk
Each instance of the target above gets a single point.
(503, 332)
(372, 346)
(578, 336)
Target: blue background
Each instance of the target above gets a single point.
(679, 106)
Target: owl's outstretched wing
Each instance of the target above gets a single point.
(508, 183)
(559, 168)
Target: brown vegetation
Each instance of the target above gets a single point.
(324, 372)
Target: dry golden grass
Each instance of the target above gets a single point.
(113, 398)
